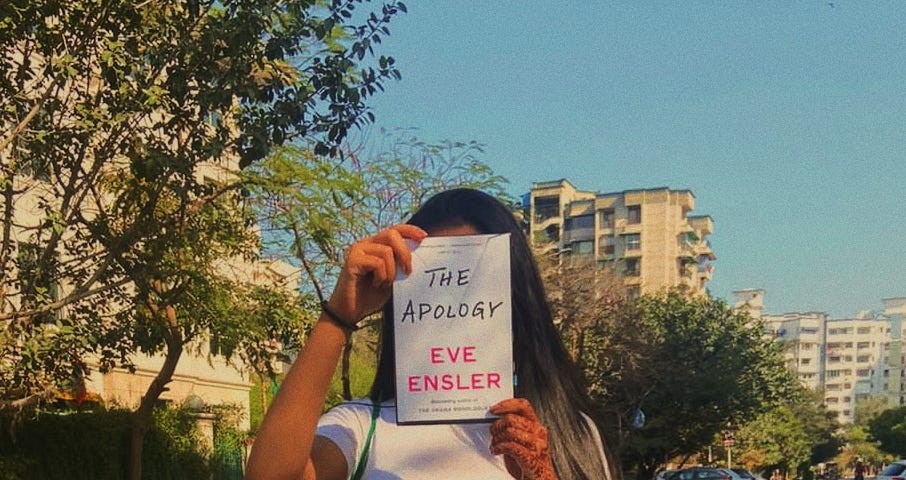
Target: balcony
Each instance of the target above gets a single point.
(578, 235)
(546, 212)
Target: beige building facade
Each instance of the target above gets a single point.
(647, 235)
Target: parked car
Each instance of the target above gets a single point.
(894, 471)
(747, 475)
(704, 473)
(664, 474)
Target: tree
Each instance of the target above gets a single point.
(860, 447)
(869, 407)
(791, 435)
(123, 124)
(889, 429)
(690, 363)
(820, 425)
(580, 292)
(774, 439)
(313, 208)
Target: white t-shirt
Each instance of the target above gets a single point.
(413, 452)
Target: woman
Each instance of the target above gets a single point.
(541, 435)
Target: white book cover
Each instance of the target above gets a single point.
(452, 330)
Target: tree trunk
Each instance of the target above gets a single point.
(141, 418)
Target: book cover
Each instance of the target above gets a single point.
(452, 330)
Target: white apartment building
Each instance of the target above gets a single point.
(848, 359)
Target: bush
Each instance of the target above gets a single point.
(95, 445)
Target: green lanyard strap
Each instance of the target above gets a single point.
(363, 458)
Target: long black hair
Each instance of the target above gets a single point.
(546, 375)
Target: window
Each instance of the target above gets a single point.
(633, 267)
(634, 214)
(580, 222)
(863, 358)
(863, 372)
(809, 330)
(606, 264)
(834, 359)
(863, 330)
(863, 344)
(584, 248)
(606, 242)
(633, 242)
(805, 361)
(546, 207)
(607, 218)
(833, 373)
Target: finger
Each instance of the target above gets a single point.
(410, 231)
(515, 450)
(514, 422)
(514, 406)
(535, 441)
(381, 257)
(396, 241)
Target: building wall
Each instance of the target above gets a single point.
(848, 359)
(216, 383)
(647, 234)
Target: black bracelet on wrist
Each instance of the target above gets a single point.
(336, 320)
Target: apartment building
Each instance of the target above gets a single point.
(847, 359)
(646, 234)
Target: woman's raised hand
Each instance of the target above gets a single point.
(520, 437)
(365, 281)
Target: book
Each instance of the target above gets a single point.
(452, 330)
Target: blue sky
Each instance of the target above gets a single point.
(787, 119)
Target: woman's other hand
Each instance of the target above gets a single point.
(520, 437)
(364, 283)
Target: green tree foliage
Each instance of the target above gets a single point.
(889, 429)
(122, 125)
(869, 407)
(96, 446)
(312, 208)
(775, 439)
(820, 425)
(790, 434)
(690, 363)
(860, 446)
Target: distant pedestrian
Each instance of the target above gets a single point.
(859, 471)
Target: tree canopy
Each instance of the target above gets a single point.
(889, 429)
(123, 126)
(690, 363)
